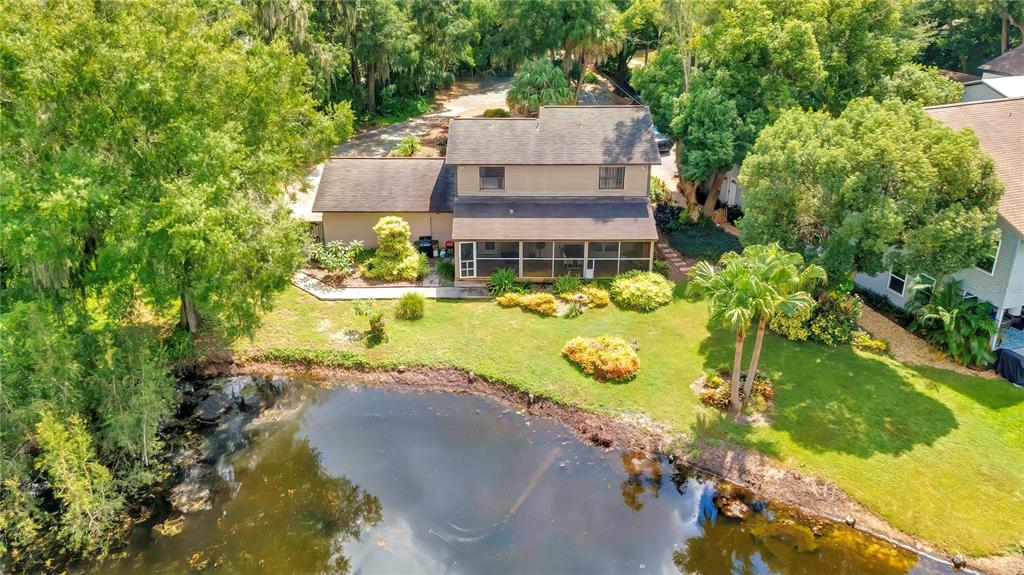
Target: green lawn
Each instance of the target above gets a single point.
(938, 454)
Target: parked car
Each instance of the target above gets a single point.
(663, 141)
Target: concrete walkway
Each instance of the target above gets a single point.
(324, 292)
(678, 264)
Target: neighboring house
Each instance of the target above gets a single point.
(998, 278)
(565, 192)
(993, 88)
(1010, 63)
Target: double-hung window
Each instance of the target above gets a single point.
(492, 178)
(612, 178)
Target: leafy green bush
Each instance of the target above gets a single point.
(606, 357)
(589, 77)
(496, 113)
(374, 316)
(569, 283)
(863, 341)
(641, 291)
(658, 190)
(312, 357)
(835, 319)
(503, 281)
(337, 257)
(715, 391)
(661, 267)
(573, 310)
(410, 306)
(395, 259)
(406, 148)
(446, 269)
(703, 240)
(794, 327)
(959, 327)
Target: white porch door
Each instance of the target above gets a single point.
(467, 260)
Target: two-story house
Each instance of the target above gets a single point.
(566, 192)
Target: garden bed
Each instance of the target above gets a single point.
(313, 270)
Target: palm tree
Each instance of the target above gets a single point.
(786, 281)
(733, 294)
(592, 36)
(538, 83)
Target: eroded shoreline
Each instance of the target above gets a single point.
(816, 497)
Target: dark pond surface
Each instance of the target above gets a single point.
(363, 480)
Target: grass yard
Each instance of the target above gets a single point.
(938, 454)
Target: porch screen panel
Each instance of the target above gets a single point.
(494, 255)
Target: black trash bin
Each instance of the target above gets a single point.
(426, 245)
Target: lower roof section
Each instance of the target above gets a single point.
(553, 219)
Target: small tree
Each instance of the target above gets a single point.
(538, 83)
(406, 148)
(395, 258)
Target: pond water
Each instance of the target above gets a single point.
(365, 480)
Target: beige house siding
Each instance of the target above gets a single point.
(348, 226)
(552, 181)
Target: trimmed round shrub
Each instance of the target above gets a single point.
(496, 113)
(641, 291)
(604, 358)
(410, 306)
(395, 259)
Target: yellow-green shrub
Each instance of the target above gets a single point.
(606, 357)
(540, 302)
(794, 327)
(863, 341)
(588, 295)
(510, 299)
(642, 291)
(395, 258)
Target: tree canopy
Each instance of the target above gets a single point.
(538, 83)
(882, 185)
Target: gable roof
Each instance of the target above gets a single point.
(385, 185)
(559, 135)
(1010, 63)
(999, 125)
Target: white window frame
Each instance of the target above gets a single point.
(888, 283)
(480, 178)
(600, 178)
(995, 260)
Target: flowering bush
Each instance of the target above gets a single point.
(606, 357)
(863, 341)
(539, 302)
(835, 319)
(642, 291)
(794, 327)
(587, 296)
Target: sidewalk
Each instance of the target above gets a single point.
(324, 292)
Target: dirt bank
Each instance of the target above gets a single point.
(764, 475)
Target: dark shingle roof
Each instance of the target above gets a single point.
(559, 135)
(385, 185)
(999, 126)
(553, 219)
(1010, 63)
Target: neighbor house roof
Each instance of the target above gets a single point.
(1010, 63)
(1005, 86)
(999, 125)
(553, 219)
(559, 135)
(962, 77)
(385, 185)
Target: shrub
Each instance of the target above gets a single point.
(661, 267)
(573, 310)
(603, 358)
(959, 327)
(313, 357)
(395, 259)
(703, 240)
(589, 77)
(658, 190)
(863, 341)
(337, 257)
(539, 302)
(716, 388)
(496, 113)
(569, 283)
(410, 306)
(794, 327)
(406, 148)
(587, 296)
(835, 319)
(503, 281)
(510, 299)
(446, 269)
(641, 291)
(374, 317)
(666, 216)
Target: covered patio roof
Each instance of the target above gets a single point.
(553, 219)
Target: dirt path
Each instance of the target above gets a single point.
(908, 348)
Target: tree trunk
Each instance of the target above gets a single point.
(737, 363)
(371, 84)
(189, 314)
(647, 50)
(583, 72)
(748, 385)
(690, 193)
(713, 193)
(1004, 32)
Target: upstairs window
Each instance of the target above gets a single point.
(897, 283)
(613, 178)
(492, 178)
(988, 263)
